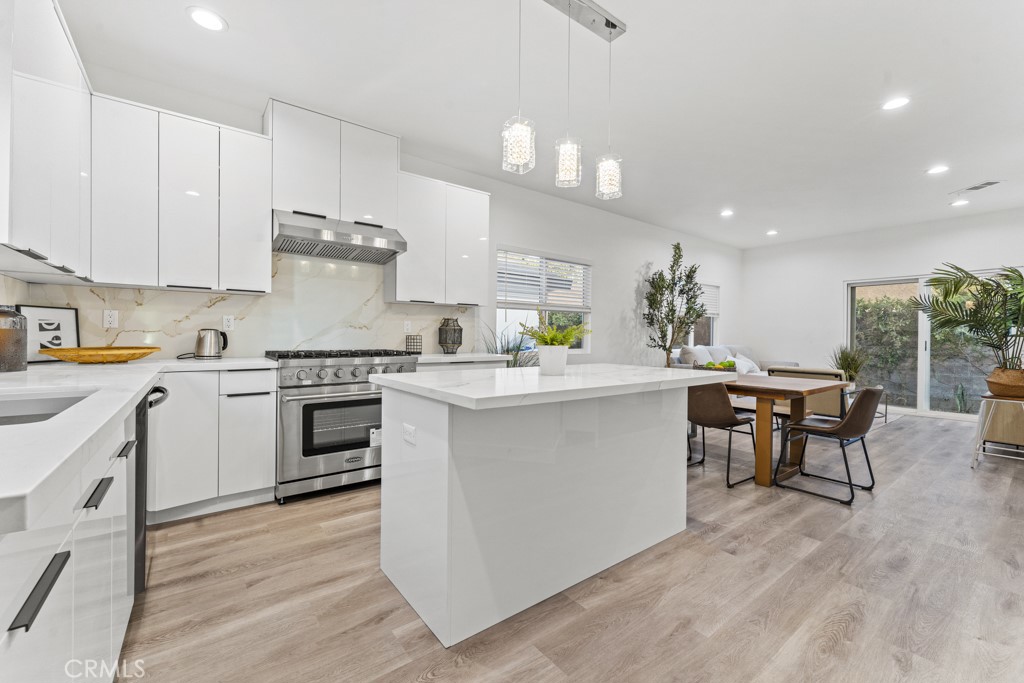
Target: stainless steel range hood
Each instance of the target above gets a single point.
(319, 237)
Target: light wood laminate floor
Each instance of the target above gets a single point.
(922, 580)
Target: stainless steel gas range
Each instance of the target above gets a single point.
(328, 417)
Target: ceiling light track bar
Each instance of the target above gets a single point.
(591, 16)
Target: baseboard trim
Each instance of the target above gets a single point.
(206, 507)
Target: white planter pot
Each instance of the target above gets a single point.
(552, 359)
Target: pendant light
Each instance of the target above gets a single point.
(568, 150)
(518, 149)
(609, 165)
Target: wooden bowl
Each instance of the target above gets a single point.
(101, 354)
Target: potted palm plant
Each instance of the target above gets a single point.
(850, 360)
(991, 309)
(553, 343)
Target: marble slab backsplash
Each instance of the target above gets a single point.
(12, 291)
(314, 304)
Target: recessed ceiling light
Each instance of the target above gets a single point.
(726, 213)
(935, 170)
(896, 103)
(191, 193)
(483, 239)
(959, 201)
(772, 233)
(465, 256)
(367, 217)
(208, 19)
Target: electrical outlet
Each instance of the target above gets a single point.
(109, 319)
(408, 327)
(228, 323)
(409, 434)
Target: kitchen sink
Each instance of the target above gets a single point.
(37, 406)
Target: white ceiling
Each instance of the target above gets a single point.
(770, 108)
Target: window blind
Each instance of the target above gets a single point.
(710, 299)
(528, 281)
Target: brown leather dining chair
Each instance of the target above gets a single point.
(847, 431)
(709, 407)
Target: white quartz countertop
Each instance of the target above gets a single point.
(427, 358)
(507, 387)
(39, 458)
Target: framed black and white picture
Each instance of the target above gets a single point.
(49, 327)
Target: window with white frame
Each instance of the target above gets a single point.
(528, 283)
(703, 333)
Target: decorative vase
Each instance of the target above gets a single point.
(1006, 382)
(552, 359)
(13, 340)
(449, 335)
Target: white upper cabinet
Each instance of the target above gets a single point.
(467, 249)
(307, 166)
(49, 108)
(124, 193)
(418, 274)
(245, 215)
(369, 175)
(189, 213)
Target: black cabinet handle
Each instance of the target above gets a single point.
(190, 287)
(64, 269)
(462, 304)
(98, 493)
(420, 301)
(246, 291)
(126, 448)
(307, 213)
(30, 610)
(32, 253)
(369, 225)
(251, 393)
(161, 395)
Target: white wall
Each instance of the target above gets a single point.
(621, 251)
(794, 304)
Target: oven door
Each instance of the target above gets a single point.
(326, 430)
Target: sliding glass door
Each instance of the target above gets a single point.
(920, 368)
(884, 326)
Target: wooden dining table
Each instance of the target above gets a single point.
(767, 390)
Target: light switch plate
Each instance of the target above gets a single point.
(408, 326)
(109, 319)
(409, 434)
(228, 324)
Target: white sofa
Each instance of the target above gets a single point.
(688, 355)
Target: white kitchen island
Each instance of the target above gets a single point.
(504, 487)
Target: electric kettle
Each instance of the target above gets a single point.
(210, 343)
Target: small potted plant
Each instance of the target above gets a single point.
(850, 360)
(553, 343)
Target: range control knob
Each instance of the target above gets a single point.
(355, 372)
(322, 374)
(372, 370)
(401, 368)
(387, 369)
(301, 374)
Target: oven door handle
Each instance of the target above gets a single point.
(352, 395)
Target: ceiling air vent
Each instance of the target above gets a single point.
(980, 186)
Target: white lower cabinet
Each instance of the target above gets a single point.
(215, 435)
(182, 466)
(41, 653)
(247, 442)
(122, 553)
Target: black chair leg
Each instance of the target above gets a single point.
(849, 479)
(871, 473)
(703, 450)
(728, 461)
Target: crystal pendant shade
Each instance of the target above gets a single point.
(519, 151)
(568, 162)
(609, 176)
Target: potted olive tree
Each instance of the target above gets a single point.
(672, 305)
(991, 309)
(553, 343)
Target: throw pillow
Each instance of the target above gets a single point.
(743, 364)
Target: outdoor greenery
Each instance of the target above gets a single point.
(849, 360)
(990, 309)
(672, 304)
(886, 333)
